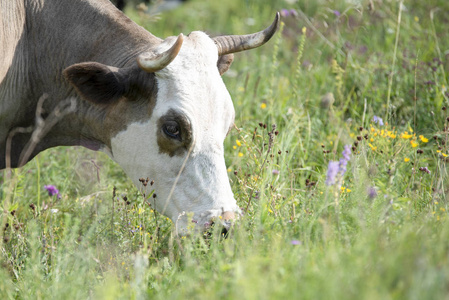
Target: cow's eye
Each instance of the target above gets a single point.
(172, 130)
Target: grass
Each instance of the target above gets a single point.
(380, 232)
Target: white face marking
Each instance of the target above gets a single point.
(191, 86)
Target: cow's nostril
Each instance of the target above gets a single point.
(224, 231)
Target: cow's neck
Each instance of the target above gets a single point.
(60, 33)
(55, 35)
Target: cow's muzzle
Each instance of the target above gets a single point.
(225, 221)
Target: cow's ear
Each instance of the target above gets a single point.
(224, 62)
(96, 82)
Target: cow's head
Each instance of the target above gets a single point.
(166, 118)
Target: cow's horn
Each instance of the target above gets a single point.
(153, 62)
(235, 43)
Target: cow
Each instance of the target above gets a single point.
(159, 108)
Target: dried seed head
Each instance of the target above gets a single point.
(419, 151)
(443, 108)
(154, 195)
(152, 182)
(359, 138)
(32, 206)
(361, 128)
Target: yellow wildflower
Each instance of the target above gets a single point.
(414, 143)
(263, 105)
(372, 147)
(391, 134)
(240, 154)
(348, 190)
(423, 139)
(235, 147)
(444, 154)
(238, 143)
(406, 159)
(405, 135)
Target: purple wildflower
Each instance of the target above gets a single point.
(372, 192)
(288, 12)
(424, 169)
(52, 190)
(347, 153)
(275, 172)
(285, 12)
(337, 13)
(378, 120)
(295, 242)
(332, 171)
(338, 168)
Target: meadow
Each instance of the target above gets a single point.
(347, 200)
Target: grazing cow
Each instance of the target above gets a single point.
(159, 108)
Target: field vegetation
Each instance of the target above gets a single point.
(338, 160)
